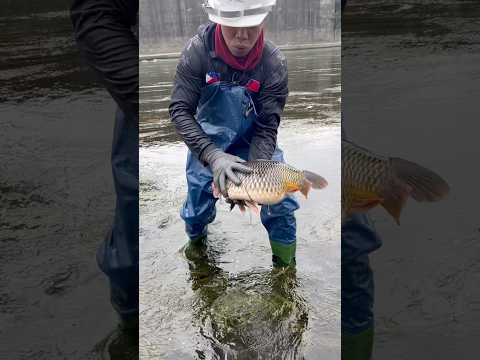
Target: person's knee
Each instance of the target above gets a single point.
(281, 228)
(280, 218)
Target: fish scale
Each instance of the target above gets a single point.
(363, 172)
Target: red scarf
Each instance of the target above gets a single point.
(245, 63)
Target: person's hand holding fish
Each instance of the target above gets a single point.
(223, 167)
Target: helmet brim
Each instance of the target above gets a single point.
(244, 21)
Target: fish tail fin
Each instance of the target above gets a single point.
(413, 180)
(424, 184)
(310, 181)
(316, 181)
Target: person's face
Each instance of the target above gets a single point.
(241, 40)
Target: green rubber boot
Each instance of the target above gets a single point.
(283, 255)
(358, 346)
(196, 249)
(199, 240)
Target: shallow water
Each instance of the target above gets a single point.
(224, 301)
(56, 191)
(411, 90)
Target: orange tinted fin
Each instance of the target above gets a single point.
(292, 187)
(307, 185)
(395, 197)
(364, 205)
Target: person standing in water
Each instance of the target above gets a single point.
(106, 32)
(229, 92)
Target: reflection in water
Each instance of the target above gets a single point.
(119, 345)
(422, 25)
(252, 314)
(179, 285)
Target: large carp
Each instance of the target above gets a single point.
(268, 184)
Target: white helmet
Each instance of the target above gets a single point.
(238, 13)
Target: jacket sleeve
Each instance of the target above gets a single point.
(185, 96)
(103, 31)
(271, 100)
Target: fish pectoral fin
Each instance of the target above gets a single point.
(292, 187)
(241, 206)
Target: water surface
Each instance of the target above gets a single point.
(56, 191)
(410, 89)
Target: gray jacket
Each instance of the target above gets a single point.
(196, 60)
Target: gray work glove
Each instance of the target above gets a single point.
(223, 166)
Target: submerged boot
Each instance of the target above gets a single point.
(283, 255)
(198, 241)
(358, 346)
(122, 343)
(197, 234)
(125, 301)
(196, 247)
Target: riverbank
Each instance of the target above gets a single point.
(290, 47)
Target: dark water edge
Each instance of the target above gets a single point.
(410, 87)
(56, 191)
(39, 58)
(26, 7)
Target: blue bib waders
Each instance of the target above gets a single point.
(117, 257)
(226, 112)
